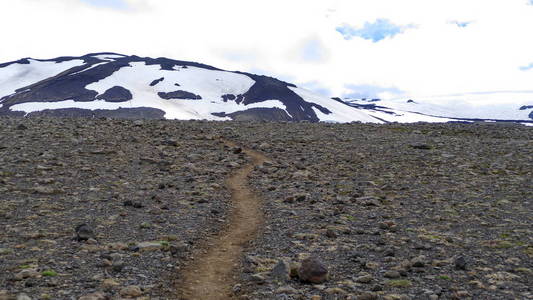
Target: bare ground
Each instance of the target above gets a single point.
(211, 275)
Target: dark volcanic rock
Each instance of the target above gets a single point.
(155, 82)
(313, 270)
(257, 114)
(84, 232)
(121, 113)
(179, 95)
(116, 94)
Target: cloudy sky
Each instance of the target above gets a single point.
(475, 50)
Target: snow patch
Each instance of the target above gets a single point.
(340, 112)
(108, 57)
(16, 76)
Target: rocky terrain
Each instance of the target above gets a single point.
(394, 211)
(111, 209)
(147, 191)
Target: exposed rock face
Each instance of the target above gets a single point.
(179, 95)
(116, 94)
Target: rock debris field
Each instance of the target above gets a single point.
(96, 209)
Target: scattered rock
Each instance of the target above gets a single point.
(131, 291)
(84, 232)
(23, 296)
(94, 296)
(364, 278)
(313, 270)
(149, 246)
(392, 274)
(460, 263)
(281, 271)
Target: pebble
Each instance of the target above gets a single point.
(392, 274)
(23, 296)
(84, 232)
(94, 296)
(419, 262)
(131, 291)
(286, 290)
(281, 271)
(367, 296)
(110, 283)
(364, 278)
(460, 263)
(149, 246)
(258, 278)
(26, 273)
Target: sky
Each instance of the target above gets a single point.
(473, 50)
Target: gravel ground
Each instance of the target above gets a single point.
(146, 190)
(392, 211)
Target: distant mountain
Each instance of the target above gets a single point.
(409, 111)
(116, 85)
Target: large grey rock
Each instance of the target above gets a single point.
(313, 270)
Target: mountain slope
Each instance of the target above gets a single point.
(110, 84)
(413, 111)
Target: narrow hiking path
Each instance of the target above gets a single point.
(210, 275)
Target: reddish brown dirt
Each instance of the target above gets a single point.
(211, 275)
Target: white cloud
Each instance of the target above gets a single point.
(296, 39)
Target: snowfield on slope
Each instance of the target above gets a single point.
(341, 112)
(17, 75)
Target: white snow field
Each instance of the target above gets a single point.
(137, 77)
(16, 76)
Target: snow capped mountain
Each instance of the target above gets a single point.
(410, 111)
(115, 85)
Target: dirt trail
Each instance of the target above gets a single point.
(210, 276)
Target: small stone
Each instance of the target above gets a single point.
(117, 265)
(149, 246)
(330, 233)
(421, 146)
(392, 274)
(335, 290)
(27, 273)
(313, 270)
(258, 278)
(21, 127)
(316, 297)
(237, 150)
(366, 278)
(84, 232)
(294, 267)
(460, 263)
(286, 290)
(94, 296)
(281, 271)
(23, 296)
(131, 291)
(264, 146)
(4, 295)
(110, 283)
(419, 262)
(367, 296)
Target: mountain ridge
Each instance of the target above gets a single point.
(108, 84)
(88, 84)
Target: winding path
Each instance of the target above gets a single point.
(210, 276)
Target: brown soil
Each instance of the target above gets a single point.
(211, 275)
